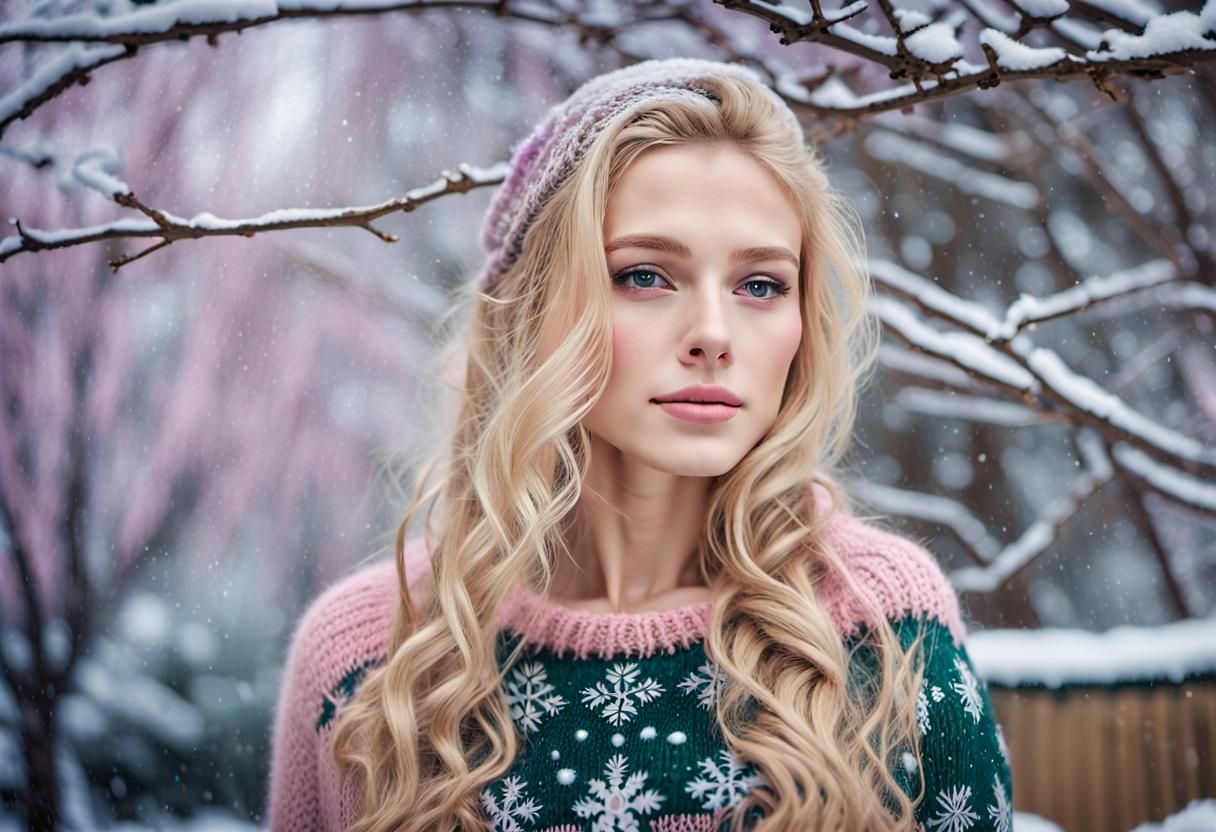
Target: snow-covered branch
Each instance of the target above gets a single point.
(929, 53)
(987, 350)
(95, 171)
(976, 409)
(970, 531)
(996, 563)
(1034, 540)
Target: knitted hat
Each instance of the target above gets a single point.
(546, 158)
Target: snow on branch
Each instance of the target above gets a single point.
(1177, 486)
(71, 67)
(1039, 535)
(976, 409)
(996, 563)
(1018, 364)
(971, 532)
(927, 52)
(95, 168)
(1028, 310)
(1104, 409)
(925, 368)
(891, 147)
(963, 349)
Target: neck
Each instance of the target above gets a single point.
(633, 544)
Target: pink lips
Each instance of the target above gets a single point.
(697, 412)
(707, 393)
(703, 403)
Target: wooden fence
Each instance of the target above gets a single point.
(1109, 757)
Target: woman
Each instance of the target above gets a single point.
(641, 600)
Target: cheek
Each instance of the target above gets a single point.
(788, 340)
(628, 348)
(782, 344)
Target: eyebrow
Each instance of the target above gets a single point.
(666, 244)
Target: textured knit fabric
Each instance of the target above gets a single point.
(614, 709)
(542, 161)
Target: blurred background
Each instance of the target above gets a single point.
(195, 444)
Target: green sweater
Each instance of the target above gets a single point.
(614, 711)
(629, 742)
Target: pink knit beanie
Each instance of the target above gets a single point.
(544, 159)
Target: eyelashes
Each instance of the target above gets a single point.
(780, 287)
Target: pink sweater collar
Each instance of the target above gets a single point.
(549, 625)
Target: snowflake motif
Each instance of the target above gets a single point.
(724, 786)
(922, 712)
(1000, 738)
(968, 690)
(618, 702)
(938, 695)
(1000, 813)
(530, 697)
(505, 817)
(612, 804)
(955, 814)
(707, 684)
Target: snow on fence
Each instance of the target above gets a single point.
(1106, 731)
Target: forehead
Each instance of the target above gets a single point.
(700, 192)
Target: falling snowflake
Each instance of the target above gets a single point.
(722, 786)
(968, 690)
(505, 817)
(707, 684)
(618, 702)
(531, 697)
(955, 814)
(612, 805)
(1000, 813)
(922, 712)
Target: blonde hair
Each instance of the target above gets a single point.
(429, 728)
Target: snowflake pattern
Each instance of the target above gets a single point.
(1000, 738)
(613, 804)
(618, 705)
(1000, 813)
(531, 697)
(506, 816)
(968, 690)
(706, 682)
(922, 712)
(722, 786)
(937, 693)
(955, 814)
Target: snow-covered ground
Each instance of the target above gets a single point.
(1198, 816)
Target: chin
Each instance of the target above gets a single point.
(691, 462)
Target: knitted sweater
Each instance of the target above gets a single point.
(614, 710)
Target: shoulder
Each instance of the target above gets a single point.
(901, 576)
(345, 629)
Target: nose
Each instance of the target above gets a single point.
(708, 335)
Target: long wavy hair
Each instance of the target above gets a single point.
(429, 727)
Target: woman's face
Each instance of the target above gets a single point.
(702, 246)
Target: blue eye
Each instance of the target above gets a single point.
(620, 277)
(779, 287)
